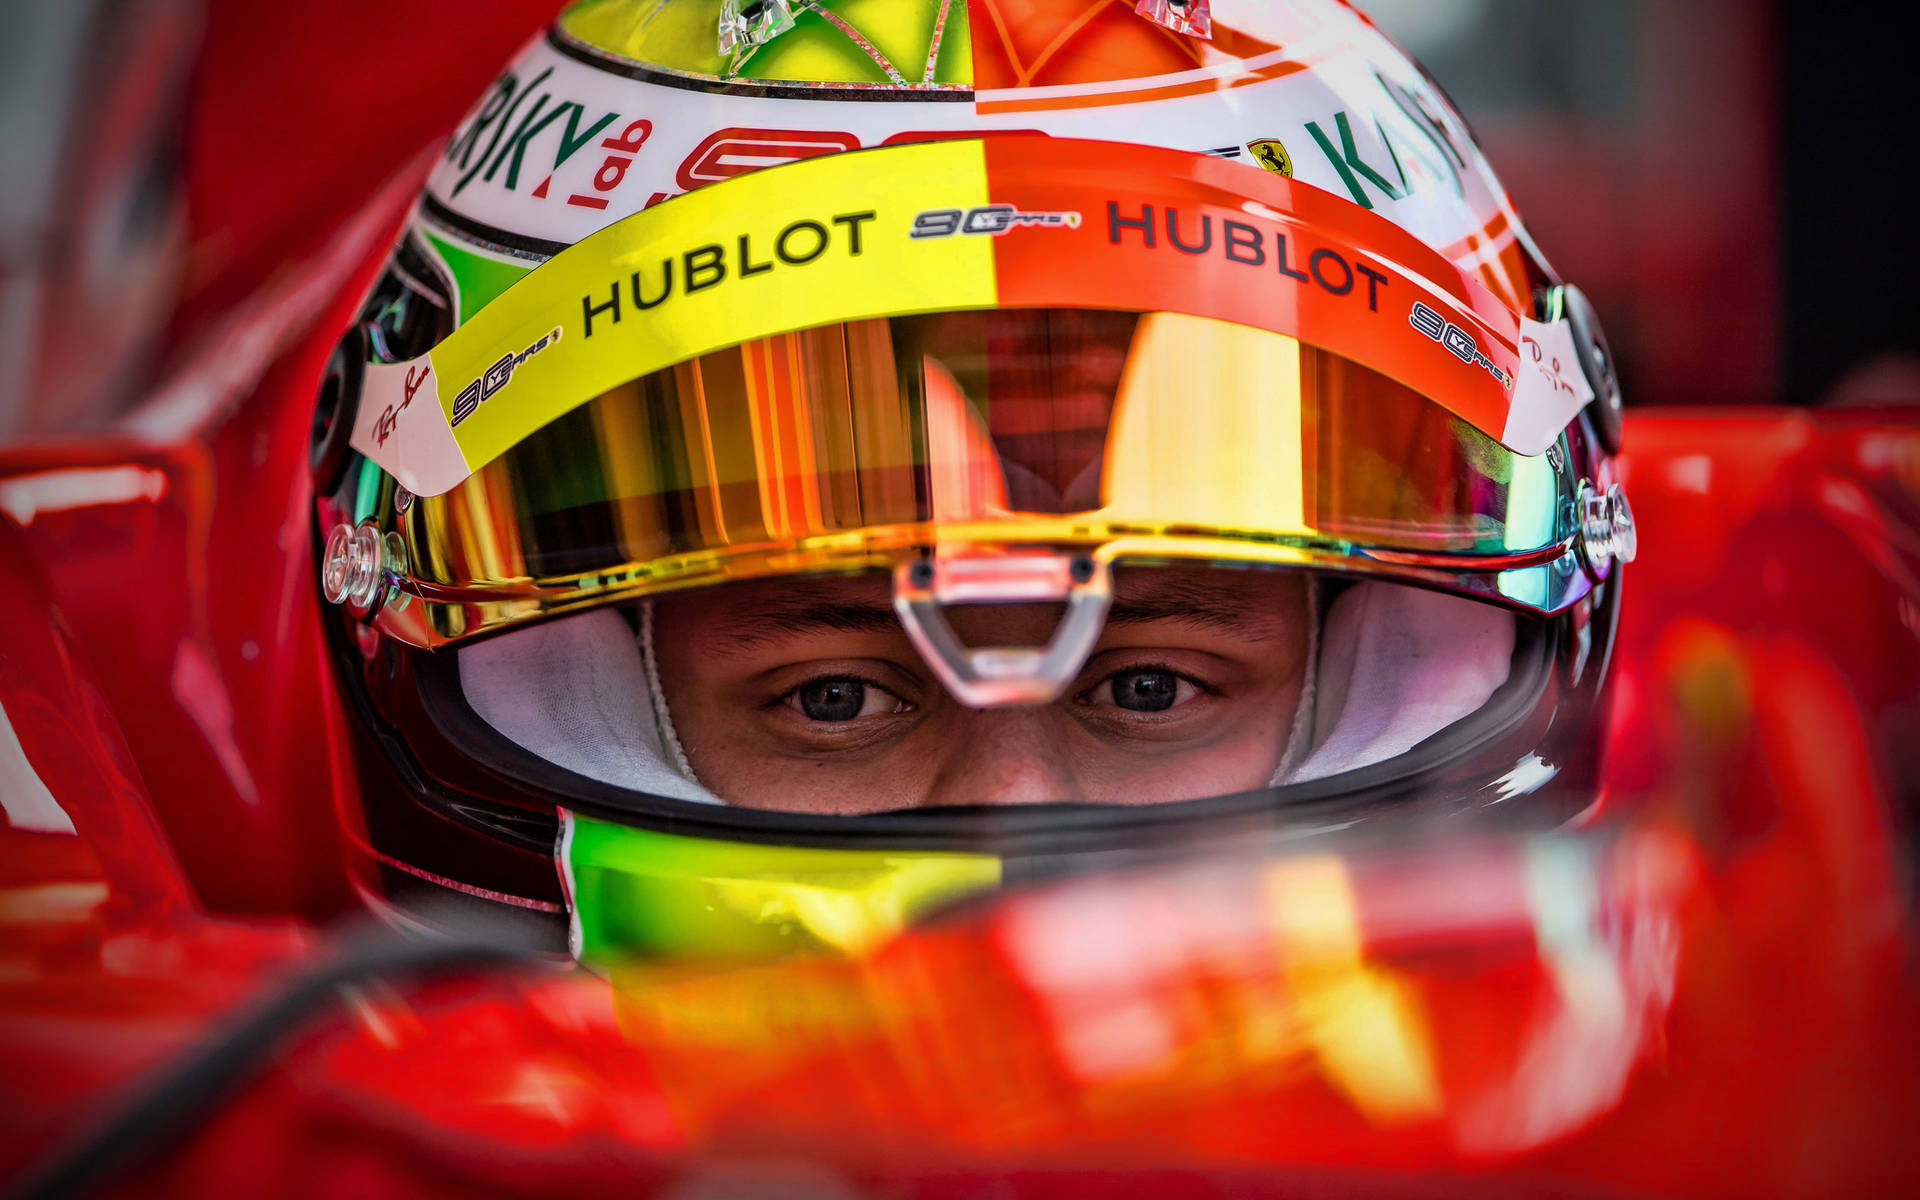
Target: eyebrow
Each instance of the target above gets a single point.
(1191, 603)
(1195, 605)
(788, 618)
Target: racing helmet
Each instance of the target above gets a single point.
(730, 306)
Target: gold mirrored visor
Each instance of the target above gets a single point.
(1012, 222)
(1159, 436)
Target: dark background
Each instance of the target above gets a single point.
(1731, 180)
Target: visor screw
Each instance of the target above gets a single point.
(1607, 531)
(920, 574)
(1626, 537)
(1081, 568)
(1596, 530)
(350, 569)
(396, 562)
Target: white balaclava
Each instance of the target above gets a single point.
(581, 693)
(1387, 667)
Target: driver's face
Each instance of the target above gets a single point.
(807, 697)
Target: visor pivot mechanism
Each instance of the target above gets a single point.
(357, 564)
(1191, 17)
(998, 676)
(1607, 531)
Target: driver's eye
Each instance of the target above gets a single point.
(842, 700)
(1145, 691)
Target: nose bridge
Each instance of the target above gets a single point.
(1006, 756)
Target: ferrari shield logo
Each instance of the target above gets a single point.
(1269, 153)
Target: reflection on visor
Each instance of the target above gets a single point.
(1494, 993)
(641, 894)
(1010, 426)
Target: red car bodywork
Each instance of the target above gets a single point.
(162, 669)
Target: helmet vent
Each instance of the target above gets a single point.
(1191, 17)
(747, 25)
